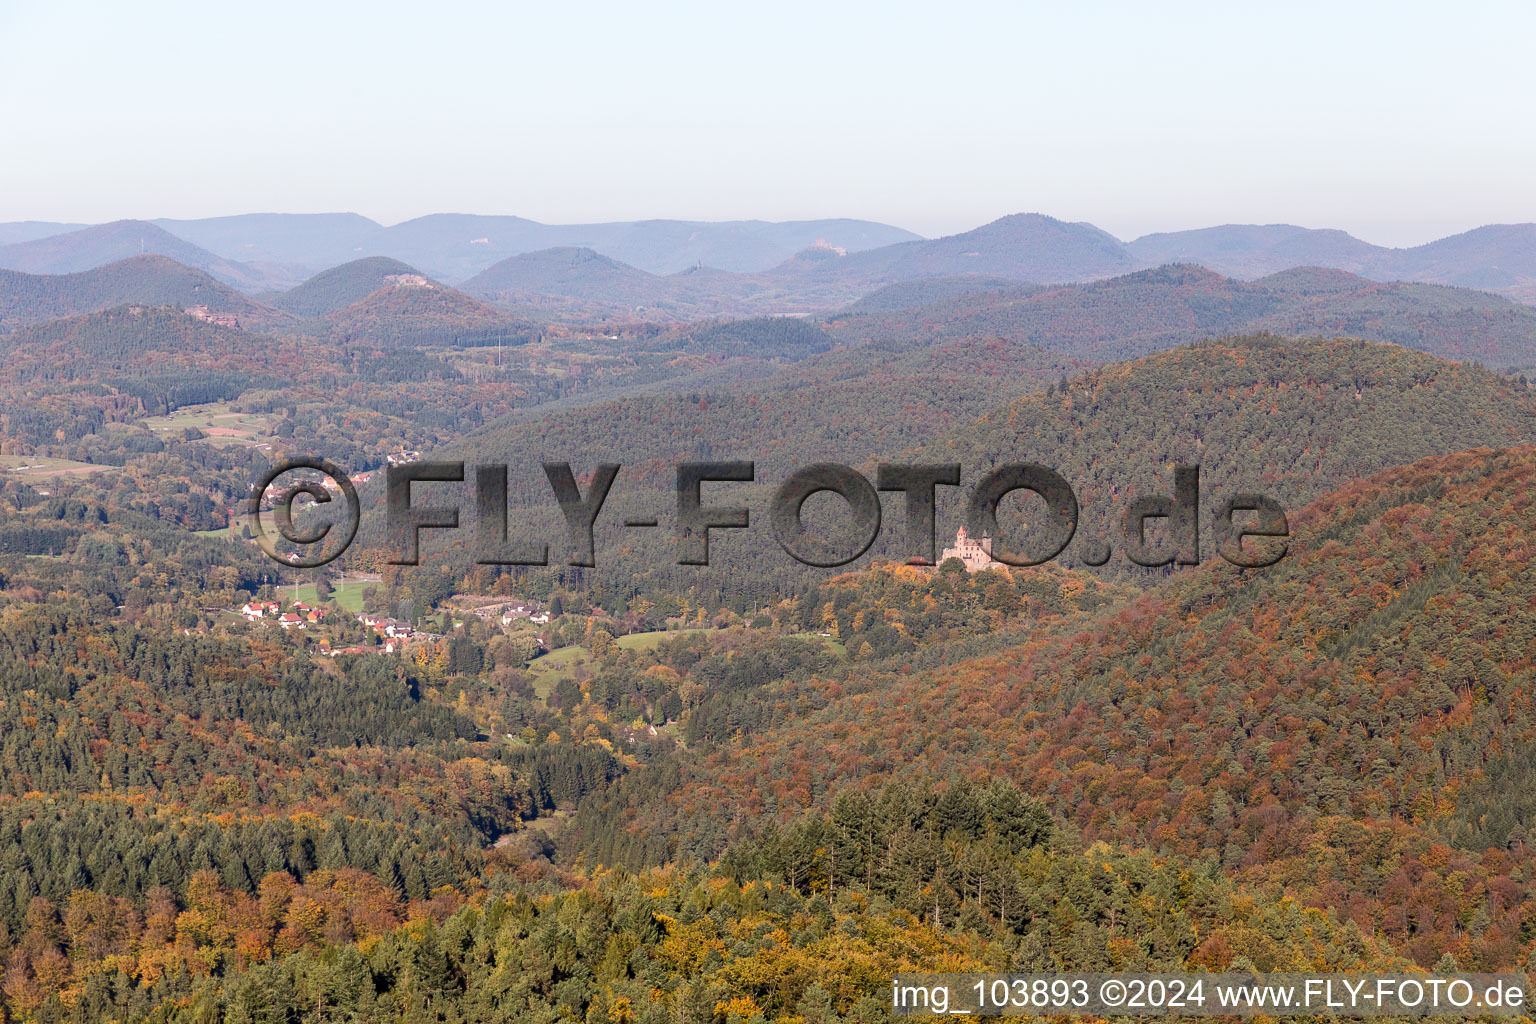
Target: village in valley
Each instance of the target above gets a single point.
(334, 622)
(385, 634)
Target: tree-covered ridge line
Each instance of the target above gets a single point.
(217, 758)
(791, 926)
(338, 287)
(210, 818)
(1208, 718)
(243, 756)
(145, 280)
(384, 302)
(1290, 419)
(741, 258)
(91, 389)
(1154, 310)
(1158, 309)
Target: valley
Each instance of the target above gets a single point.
(717, 794)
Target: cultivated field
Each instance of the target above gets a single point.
(221, 424)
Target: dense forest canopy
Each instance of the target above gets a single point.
(641, 791)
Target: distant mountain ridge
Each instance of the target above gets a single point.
(30, 230)
(752, 268)
(1152, 310)
(376, 300)
(458, 246)
(1024, 249)
(1093, 322)
(1496, 257)
(451, 247)
(1027, 246)
(88, 248)
(819, 277)
(1114, 318)
(1255, 250)
(300, 240)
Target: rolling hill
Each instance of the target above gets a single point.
(147, 280)
(568, 273)
(581, 284)
(1350, 727)
(1292, 419)
(412, 310)
(91, 247)
(1255, 250)
(136, 340)
(458, 246)
(779, 266)
(298, 240)
(1496, 257)
(1023, 246)
(928, 291)
(848, 404)
(339, 287)
(1153, 310)
(1288, 419)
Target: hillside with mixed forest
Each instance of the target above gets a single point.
(751, 791)
(1334, 728)
(1153, 310)
(339, 287)
(146, 280)
(1288, 419)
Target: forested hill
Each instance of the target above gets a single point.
(1310, 410)
(411, 310)
(375, 301)
(574, 272)
(929, 291)
(100, 244)
(339, 287)
(1354, 723)
(131, 338)
(848, 405)
(1291, 419)
(1153, 310)
(150, 280)
(1495, 256)
(1024, 246)
(1288, 419)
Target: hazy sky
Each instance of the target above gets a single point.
(1398, 122)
